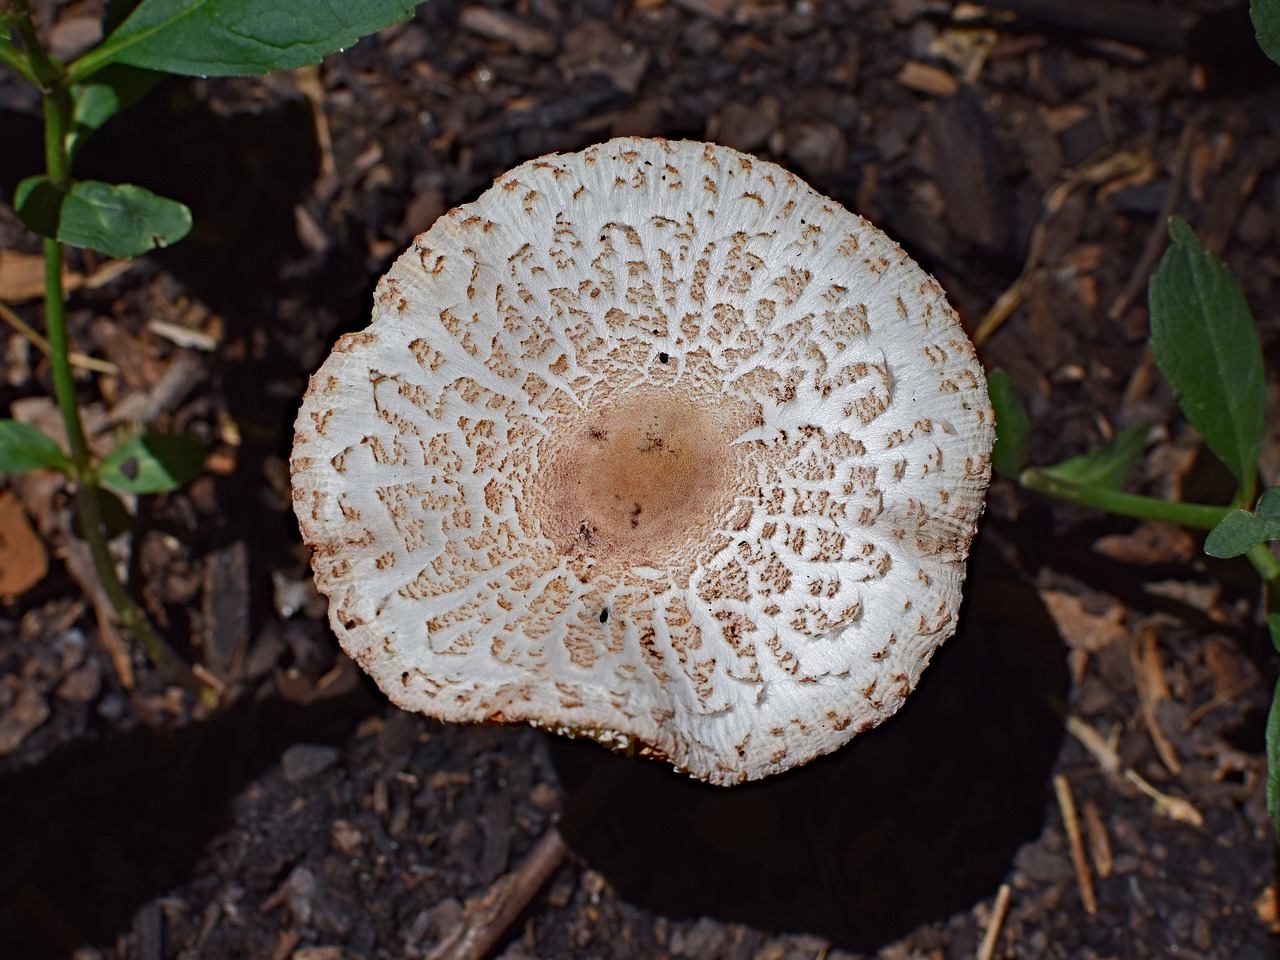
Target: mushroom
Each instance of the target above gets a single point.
(654, 444)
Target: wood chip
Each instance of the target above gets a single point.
(923, 78)
(183, 336)
(1267, 909)
(22, 276)
(506, 28)
(26, 714)
(715, 9)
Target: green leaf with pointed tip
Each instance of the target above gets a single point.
(153, 463)
(1240, 531)
(238, 37)
(24, 448)
(1206, 345)
(1265, 15)
(1107, 467)
(1009, 455)
(97, 100)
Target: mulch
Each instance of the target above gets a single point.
(1080, 773)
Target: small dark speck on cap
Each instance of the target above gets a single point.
(604, 615)
(663, 358)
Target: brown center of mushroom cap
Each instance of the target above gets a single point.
(628, 481)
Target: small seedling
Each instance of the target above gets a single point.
(1206, 345)
(142, 42)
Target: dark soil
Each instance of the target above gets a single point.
(1040, 149)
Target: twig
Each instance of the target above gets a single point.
(1153, 688)
(1226, 696)
(29, 334)
(487, 918)
(311, 84)
(1157, 237)
(1172, 807)
(998, 911)
(1067, 804)
(1016, 292)
(79, 560)
(1099, 842)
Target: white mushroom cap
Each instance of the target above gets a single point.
(655, 444)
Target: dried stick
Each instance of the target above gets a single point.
(1071, 821)
(998, 911)
(486, 918)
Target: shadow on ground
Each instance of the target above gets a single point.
(99, 828)
(908, 824)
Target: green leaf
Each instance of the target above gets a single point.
(39, 205)
(116, 12)
(1206, 345)
(96, 101)
(115, 516)
(1009, 455)
(1265, 15)
(238, 37)
(24, 448)
(1107, 467)
(153, 463)
(1273, 760)
(119, 220)
(1240, 531)
(1273, 627)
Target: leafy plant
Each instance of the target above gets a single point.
(1265, 15)
(142, 41)
(1206, 345)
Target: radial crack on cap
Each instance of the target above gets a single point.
(651, 443)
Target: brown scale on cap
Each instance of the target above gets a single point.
(651, 444)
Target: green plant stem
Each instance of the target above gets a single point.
(1198, 515)
(64, 390)
(165, 659)
(57, 105)
(1266, 564)
(14, 60)
(45, 72)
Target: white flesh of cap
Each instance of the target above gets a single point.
(655, 444)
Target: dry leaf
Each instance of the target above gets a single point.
(22, 276)
(23, 560)
(1081, 629)
(1148, 672)
(1151, 542)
